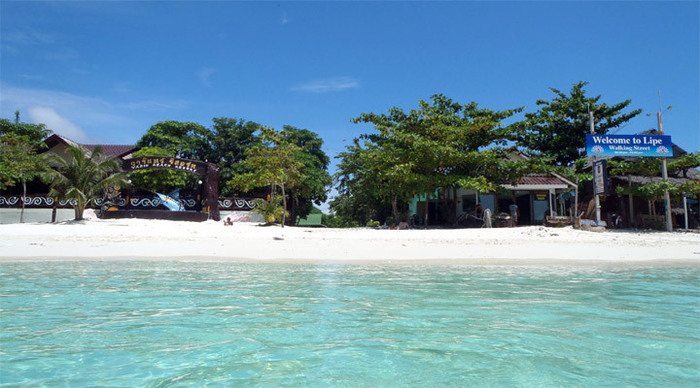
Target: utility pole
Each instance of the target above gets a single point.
(664, 175)
(597, 198)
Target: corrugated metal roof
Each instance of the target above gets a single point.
(110, 150)
(540, 180)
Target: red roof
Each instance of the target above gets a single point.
(540, 180)
(112, 150)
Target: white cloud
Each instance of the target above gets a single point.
(88, 108)
(205, 74)
(325, 85)
(90, 117)
(57, 123)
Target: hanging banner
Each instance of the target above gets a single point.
(600, 177)
(629, 145)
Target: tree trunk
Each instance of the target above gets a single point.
(631, 203)
(445, 206)
(453, 204)
(284, 206)
(79, 209)
(24, 195)
(427, 210)
(395, 210)
(53, 210)
(293, 207)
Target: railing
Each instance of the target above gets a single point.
(137, 202)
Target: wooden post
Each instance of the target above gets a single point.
(597, 197)
(211, 191)
(53, 210)
(24, 195)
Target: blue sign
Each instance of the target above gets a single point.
(629, 145)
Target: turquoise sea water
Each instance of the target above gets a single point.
(162, 324)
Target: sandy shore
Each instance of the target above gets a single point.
(168, 240)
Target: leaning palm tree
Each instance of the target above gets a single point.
(82, 175)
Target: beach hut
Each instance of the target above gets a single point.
(536, 197)
(38, 204)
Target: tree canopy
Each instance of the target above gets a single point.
(231, 138)
(160, 180)
(181, 139)
(20, 162)
(270, 163)
(312, 186)
(83, 175)
(441, 144)
(558, 128)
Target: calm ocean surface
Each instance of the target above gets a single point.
(162, 324)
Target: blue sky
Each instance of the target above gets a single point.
(106, 71)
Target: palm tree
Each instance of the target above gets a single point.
(82, 175)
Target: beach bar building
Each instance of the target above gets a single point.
(39, 206)
(536, 195)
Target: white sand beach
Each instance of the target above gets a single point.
(133, 239)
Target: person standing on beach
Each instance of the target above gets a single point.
(514, 213)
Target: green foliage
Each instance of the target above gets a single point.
(32, 133)
(691, 187)
(311, 187)
(181, 139)
(231, 138)
(655, 190)
(249, 157)
(335, 221)
(441, 144)
(373, 224)
(83, 175)
(651, 167)
(160, 180)
(558, 129)
(637, 166)
(577, 172)
(271, 163)
(19, 161)
(680, 165)
(20, 144)
(272, 211)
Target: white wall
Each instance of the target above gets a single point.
(11, 216)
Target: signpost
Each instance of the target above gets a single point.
(664, 175)
(600, 177)
(655, 146)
